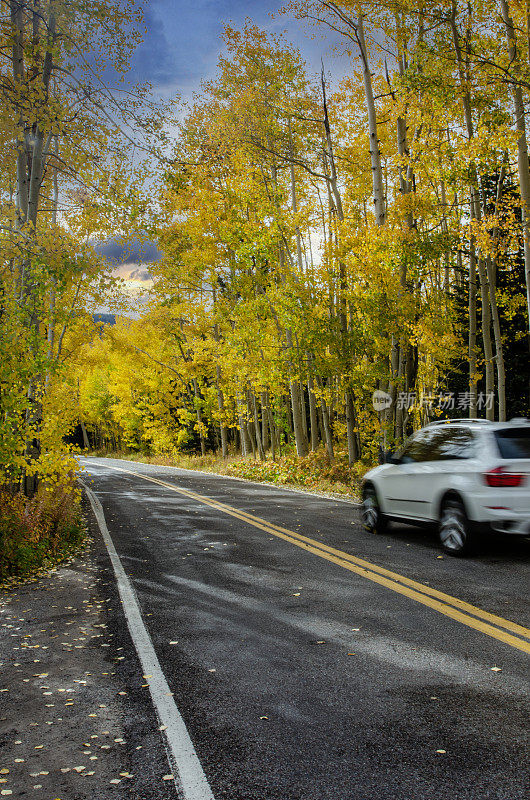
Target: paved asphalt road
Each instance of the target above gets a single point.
(300, 679)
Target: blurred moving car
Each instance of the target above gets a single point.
(466, 476)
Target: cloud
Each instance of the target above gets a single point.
(182, 41)
(132, 252)
(154, 60)
(183, 38)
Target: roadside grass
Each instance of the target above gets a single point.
(38, 533)
(313, 473)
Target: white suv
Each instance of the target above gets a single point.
(468, 476)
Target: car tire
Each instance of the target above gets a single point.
(373, 518)
(454, 528)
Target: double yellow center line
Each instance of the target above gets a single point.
(497, 627)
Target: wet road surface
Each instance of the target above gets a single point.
(300, 679)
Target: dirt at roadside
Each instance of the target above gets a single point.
(76, 719)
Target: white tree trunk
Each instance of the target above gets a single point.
(375, 153)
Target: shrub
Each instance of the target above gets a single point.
(313, 472)
(38, 532)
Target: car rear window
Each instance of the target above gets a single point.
(514, 443)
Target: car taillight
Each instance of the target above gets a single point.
(500, 478)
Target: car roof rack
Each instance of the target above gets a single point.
(463, 420)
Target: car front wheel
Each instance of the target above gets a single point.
(373, 518)
(454, 529)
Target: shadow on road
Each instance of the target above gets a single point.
(492, 549)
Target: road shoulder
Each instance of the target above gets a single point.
(76, 718)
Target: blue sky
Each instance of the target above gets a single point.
(183, 40)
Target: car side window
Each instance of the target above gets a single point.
(438, 444)
(417, 448)
(453, 443)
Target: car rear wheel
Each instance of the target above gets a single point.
(454, 529)
(373, 518)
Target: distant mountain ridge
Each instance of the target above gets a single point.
(106, 319)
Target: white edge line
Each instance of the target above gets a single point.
(183, 759)
(281, 486)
